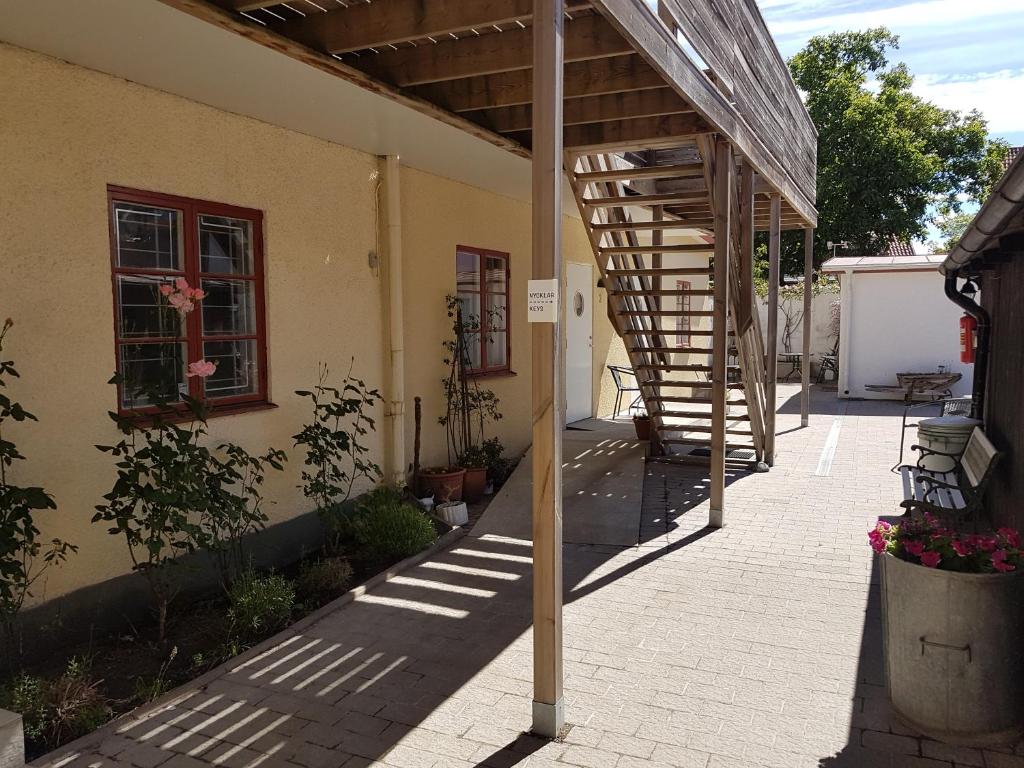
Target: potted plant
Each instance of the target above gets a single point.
(443, 483)
(498, 467)
(642, 425)
(468, 407)
(474, 461)
(952, 617)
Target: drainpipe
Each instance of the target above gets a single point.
(971, 307)
(395, 406)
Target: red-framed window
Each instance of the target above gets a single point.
(157, 239)
(482, 280)
(683, 321)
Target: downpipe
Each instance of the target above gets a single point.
(971, 307)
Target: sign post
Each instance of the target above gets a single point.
(548, 367)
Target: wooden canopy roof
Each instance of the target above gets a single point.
(634, 77)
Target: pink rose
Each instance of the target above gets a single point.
(201, 368)
(914, 547)
(166, 289)
(181, 284)
(931, 559)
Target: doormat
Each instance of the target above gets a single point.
(741, 454)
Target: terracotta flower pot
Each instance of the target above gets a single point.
(642, 425)
(444, 483)
(474, 484)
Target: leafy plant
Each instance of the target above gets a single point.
(336, 454)
(23, 557)
(498, 466)
(385, 528)
(259, 605)
(324, 579)
(474, 457)
(237, 507)
(56, 711)
(161, 493)
(468, 406)
(147, 690)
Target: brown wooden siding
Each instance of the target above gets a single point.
(1002, 291)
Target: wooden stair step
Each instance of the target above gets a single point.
(661, 292)
(665, 332)
(639, 226)
(688, 171)
(673, 350)
(702, 428)
(628, 250)
(665, 198)
(692, 384)
(729, 446)
(664, 313)
(698, 415)
(657, 271)
(694, 400)
(694, 368)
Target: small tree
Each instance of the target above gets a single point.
(468, 406)
(23, 558)
(791, 299)
(334, 441)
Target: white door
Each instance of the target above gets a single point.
(579, 342)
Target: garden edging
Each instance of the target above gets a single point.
(91, 740)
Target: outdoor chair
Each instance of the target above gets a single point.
(829, 362)
(622, 377)
(956, 495)
(951, 406)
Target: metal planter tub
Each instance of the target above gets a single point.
(953, 664)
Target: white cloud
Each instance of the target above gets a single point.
(996, 94)
(916, 15)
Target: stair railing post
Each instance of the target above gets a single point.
(772, 353)
(548, 362)
(805, 370)
(723, 183)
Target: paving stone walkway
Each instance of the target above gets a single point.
(754, 645)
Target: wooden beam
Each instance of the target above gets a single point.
(222, 19)
(723, 187)
(588, 37)
(805, 368)
(746, 302)
(647, 132)
(772, 352)
(615, 74)
(548, 361)
(378, 25)
(689, 171)
(588, 109)
(245, 5)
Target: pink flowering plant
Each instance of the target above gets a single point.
(181, 296)
(928, 542)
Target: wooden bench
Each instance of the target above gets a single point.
(957, 494)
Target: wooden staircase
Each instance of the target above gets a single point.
(660, 300)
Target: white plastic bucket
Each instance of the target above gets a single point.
(948, 434)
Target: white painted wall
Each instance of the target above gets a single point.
(822, 338)
(893, 322)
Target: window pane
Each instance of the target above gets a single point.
(472, 351)
(470, 303)
(497, 310)
(148, 237)
(228, 307)
(148, 368)
(143, 311)
(497, 349)
(237, 369)
(496, 274)
(225, 245)
(467, 271)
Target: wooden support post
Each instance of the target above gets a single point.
(723, 184)
(548, 360)
(746, 305)
(772, 353)
(805, 371)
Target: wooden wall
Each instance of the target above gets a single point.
(1001, 291)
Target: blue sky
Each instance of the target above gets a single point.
(964, 54)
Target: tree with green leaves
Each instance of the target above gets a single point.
(887, 159)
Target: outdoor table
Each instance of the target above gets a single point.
(793, 359)
(934, 385)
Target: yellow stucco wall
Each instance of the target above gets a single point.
(68, 132)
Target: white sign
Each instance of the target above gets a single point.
(542, 301)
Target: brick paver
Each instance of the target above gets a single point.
(754, 645)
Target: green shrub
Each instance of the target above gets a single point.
(57, 711)
(259, 606)
(385, 528)
(324, 579)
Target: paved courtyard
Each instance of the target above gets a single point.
(753, 645)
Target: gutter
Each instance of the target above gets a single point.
(1005, 202)
(395, 404)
